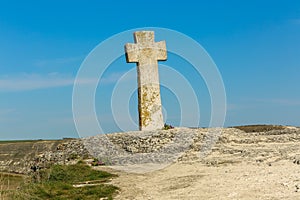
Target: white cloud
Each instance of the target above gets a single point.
(26, 82)
(58, 61)
(34, 81)
(6, 111)
(287, 102)
(238, 107)
(115, 77)
(284, 102)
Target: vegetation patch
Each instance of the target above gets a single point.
(8, 183)
(97, 162)
(167, 127)
(259, 128)
(58, 183)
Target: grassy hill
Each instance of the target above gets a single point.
(14, 155)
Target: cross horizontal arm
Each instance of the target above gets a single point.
(132, 54)
(161, 50)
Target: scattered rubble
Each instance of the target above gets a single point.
(174, 145)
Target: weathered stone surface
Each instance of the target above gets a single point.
(184, 144)
(138, 147)
(145, 52)
(158, 147)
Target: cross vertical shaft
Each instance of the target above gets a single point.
(145, 52)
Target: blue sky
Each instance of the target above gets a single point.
(255, 44)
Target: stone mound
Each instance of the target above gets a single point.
(139, 147)
(211, 146)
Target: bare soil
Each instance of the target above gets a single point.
(244, 165)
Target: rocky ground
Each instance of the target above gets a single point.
(263, 164)
(248, 162)
(211, 146)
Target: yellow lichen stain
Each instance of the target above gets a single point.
(149, 97)
(147, 52)
(145, 115)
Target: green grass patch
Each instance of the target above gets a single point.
(57, 183)
(76, 173)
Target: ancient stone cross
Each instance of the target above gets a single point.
(145, 52)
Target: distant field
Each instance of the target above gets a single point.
(9, 182)
(21, 141)
(13, 153)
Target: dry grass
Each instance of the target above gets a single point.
(259, 128)
(9, 183)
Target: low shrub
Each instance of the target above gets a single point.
(167, 127)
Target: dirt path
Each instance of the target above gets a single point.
(247, 166)
(197, 181)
